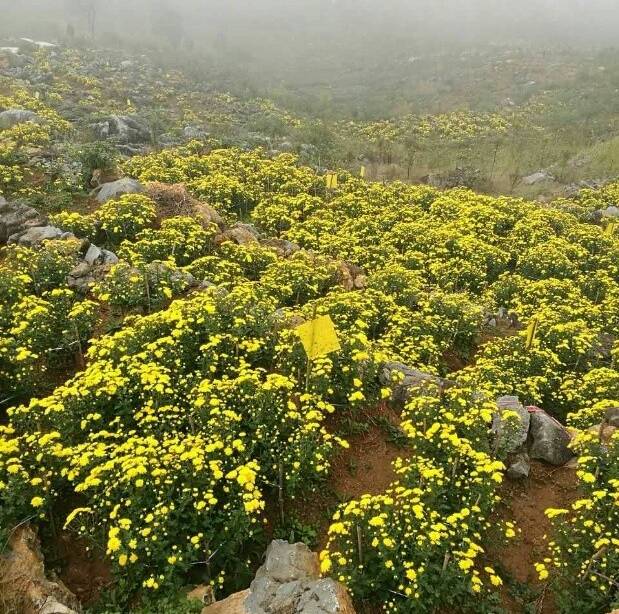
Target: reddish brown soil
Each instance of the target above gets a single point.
(85, 572)
(366, 466)
(524, 503)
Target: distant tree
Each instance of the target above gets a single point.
(86, 11)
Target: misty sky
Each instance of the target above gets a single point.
(591, 21)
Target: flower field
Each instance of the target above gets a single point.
(167, 414)
(175, 431)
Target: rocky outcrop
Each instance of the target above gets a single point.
(239, 233)
(123, 129)
(612, 416)
(519, 467)
(24, 587)
(351, 277)
(37, 234)
(114, 189)
(15, 218)
(536, 178)
(282, 247)
(288, 583)
(12, 117)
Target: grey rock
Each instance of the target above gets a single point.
(14, 58)
(114, 189)
(81, 270)
(15, 218)
(549, 440)
(282, 246)
(507, 441)
(612, 416)
(37, 234)
(413, 380)
(108, 257)
(288, 583)
(287, 562)
(12, 117)
(536, 178)
(93, 254)
(175, 275)
(611, 212)
(195, 132)
(123, 129)
(325, 597)
(519, 467)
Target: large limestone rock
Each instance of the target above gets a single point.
(24, 587)
(114, 189)
(549, 439)
(504, 435)
(409, 381)
(15, 218)
(12, 117)
(519, 467)
(123, 128)
(288, 583)
(37, 234)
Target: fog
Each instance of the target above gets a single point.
(268, 42)
(249, 23)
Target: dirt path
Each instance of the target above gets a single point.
(524, 503)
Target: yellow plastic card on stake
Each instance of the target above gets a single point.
(362, 172)
(331, 179)
(531, 332)
(318, 337)
(610, 229)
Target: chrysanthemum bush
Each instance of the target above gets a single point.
(174, 432)
(420, 545)
(42, 332)
(179, 239)
(125, 217)
(181, 423)
(582, 561)
(145, 286)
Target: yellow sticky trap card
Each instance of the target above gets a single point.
(362, 172)
(531, 332)
(318, 337)
(331, 180)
